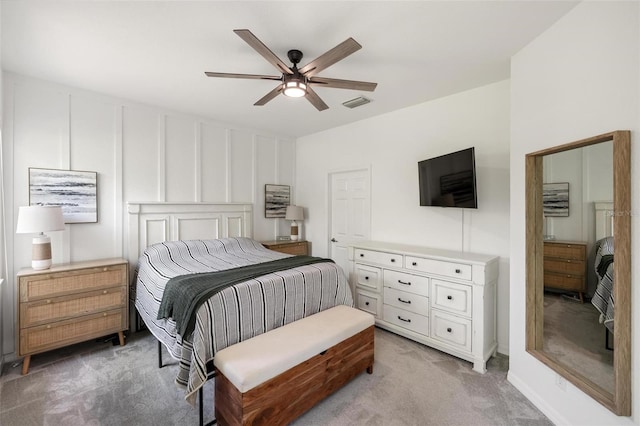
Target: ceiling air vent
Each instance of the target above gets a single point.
(356, 102)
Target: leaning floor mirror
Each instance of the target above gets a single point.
(578, 307)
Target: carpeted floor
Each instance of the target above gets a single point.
(96, 383)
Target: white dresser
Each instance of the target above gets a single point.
(441, 298)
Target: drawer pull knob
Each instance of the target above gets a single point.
(104, 291)
(48, 326)
(404, 282)
(457, 271)
(393, 260)
(105, 269)
(449, 330)
(366, 303)
(449, 297)
(104, 315)
(414, 263)
(361, 254)
(408, 302)
(402, 319)
(48, 300)
(366, 278)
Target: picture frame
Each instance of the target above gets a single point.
(75, 191)
(555, 199)
(276, 200)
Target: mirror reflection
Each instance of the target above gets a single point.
(577, 198)
(570, 268)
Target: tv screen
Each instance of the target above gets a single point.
(449, 180)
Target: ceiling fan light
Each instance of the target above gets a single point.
(294, 89)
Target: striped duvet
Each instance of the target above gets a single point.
(237, 313)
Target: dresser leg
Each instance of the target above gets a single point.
(25, 364)
(121, 337)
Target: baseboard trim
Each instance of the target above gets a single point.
(536, 400)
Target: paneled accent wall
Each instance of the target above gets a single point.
(141, 153)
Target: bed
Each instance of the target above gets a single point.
(168, 240)
(602, 298)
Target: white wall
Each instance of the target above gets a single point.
(578, 79)
(141, 153)
(391, 145)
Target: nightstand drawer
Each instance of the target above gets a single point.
(66, 307)
(296, 248)
(47, 285)
(45, 337)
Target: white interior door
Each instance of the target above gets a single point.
(350, 213)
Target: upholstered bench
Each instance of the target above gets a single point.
(275, 377)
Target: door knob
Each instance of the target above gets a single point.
(333, 240)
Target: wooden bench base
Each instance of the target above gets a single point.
(285, 397)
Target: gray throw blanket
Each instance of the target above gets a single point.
(184, 294)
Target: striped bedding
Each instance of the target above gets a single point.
(603, 297)
(237, 313)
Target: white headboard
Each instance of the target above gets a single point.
(604, 219)
(151, 223)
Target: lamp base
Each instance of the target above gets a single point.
(294, 231)
(41, 252)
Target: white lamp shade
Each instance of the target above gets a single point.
(36, 219)
(294, 213)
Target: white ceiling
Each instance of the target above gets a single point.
(156, 52)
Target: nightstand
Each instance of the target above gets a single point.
(71, 303)
(299, 248)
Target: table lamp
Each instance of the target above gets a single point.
(38, 220)
(294, 213)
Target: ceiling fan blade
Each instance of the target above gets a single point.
(329, 58)
(315, 100)
(272, 94)
(259, 47)
(250, 76)
(343, 84)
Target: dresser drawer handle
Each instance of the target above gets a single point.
(449, 297)
(366, 303)
(414, 263)
(104, 292)
(458, 271)
(48, 300)
(408, 302)
(393, 260)
(361, 254)
(404, 282)
(366, 278)
(402, 319)
(448, 329)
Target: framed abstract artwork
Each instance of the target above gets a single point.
(555, 199)
(75, 191)
(276, 200)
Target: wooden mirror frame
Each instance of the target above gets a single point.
(619, 401)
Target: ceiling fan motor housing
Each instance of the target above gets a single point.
(295, 56)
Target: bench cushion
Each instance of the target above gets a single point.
(252, 362)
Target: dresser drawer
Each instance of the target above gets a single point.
(60, 308)
(368, 277)
(568, 266)
(451, 297)
(41, 286)
(452, 330)
(409, 320)
(46, 337)
(368, 302)
(407, 282)
(408, 301)
(378, 257)
(439, 267)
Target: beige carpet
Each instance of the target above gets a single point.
(575, 337)
(100, 384)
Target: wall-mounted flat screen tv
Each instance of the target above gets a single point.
(449, 180)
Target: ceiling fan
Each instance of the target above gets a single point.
(297, 82)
